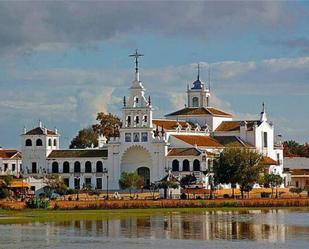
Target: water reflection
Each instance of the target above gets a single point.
(267, 225)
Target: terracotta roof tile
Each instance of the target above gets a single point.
(184, 152)
(203, 141)
(9, 153)
(235, 125)
(170, 124)
(78, 153)
(269, 161)
(300, 172)
(40, 131)
(233, 141)
(200, 111)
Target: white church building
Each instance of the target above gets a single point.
(184, 142)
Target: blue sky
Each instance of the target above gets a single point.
(62, 62)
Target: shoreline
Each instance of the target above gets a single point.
(44, 215)
(163, 203)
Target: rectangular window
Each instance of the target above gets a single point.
(13, 167)
(88, 182)
(6, 166)
(265, 140)
(278, 158)
(136, 137)
(66, 181)
(99, 183)
(76, 183)
(34, 168)
(144, 136)
(128, 137)
(137, 119)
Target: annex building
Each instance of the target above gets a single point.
(183, 142)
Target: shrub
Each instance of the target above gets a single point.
(42, 195)
(265, 195)
(4, 193)
(37, 203)
(226, 196)
(183, 196)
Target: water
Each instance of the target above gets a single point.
(206, 229)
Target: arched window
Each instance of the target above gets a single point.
(185, 165)
(99, 166)
(195, 102)
(55, 167)
(175, 165)
(88, 167)
(55, 142)
(77, 167)
(39, 142)
(66, 167)
(196, 165)
(49, 142)
(28, 142)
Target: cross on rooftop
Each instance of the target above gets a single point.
(136, 55)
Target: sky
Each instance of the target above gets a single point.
(62, 62)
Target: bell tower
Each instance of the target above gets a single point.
(199, 93)
(137, 110)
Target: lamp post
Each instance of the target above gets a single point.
(105, 172)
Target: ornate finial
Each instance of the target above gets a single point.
(162, 131)
(136, 55)
(198, 71)
(40, 123)
(263, 110)
(124, 101)
(149, 100)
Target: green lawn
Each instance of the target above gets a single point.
(29, 216)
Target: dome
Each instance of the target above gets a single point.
(197, 84)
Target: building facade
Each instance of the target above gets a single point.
(184, 142)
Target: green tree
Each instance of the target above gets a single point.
(4, 193)
(186, 181)
(108, 125)
(131, 180)
(55, 184)
(165, 184)
(225, 169)
(246, 166)
(272, 181)
(85, 139)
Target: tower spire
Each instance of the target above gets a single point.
(136, 55)
(263, 113)
(198, 71)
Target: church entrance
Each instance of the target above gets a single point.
(145, 173)
(137, 159)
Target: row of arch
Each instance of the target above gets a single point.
(39, 142)
(77, 167)
(186, 165)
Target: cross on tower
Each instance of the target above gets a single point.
(136, 55)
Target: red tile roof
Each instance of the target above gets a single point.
(184, 152)
(269, 161)
(203, 141)
(299, 172)
(170, 124)
(233, 141)
(9, 154)
(235, 125)
(40, 131)
(200, 111)
(78, 153)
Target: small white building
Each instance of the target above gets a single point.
(10, 162)
(184, 142)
